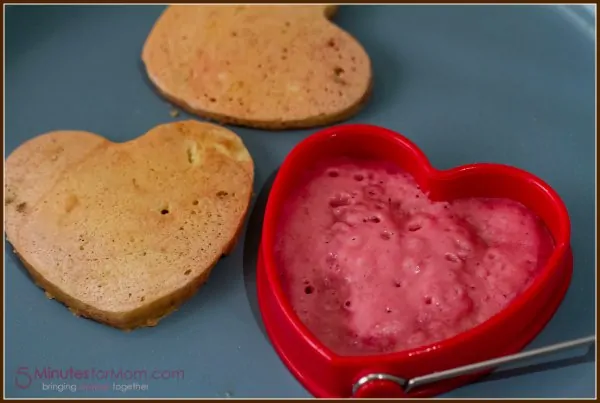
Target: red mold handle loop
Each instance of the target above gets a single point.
(382, 386)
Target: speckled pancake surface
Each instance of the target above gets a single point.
(124, 233)
(271, 67)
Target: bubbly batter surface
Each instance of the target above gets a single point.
(371, 265)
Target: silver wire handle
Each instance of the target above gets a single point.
(419, 381)
(509, 359)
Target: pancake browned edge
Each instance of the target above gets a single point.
(268, 67)
(124, 233)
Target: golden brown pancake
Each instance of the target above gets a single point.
(124, 233)
(270, 67)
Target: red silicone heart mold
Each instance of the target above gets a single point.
(325, 374)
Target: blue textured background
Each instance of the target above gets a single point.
(508, 84)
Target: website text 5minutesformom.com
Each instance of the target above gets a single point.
(25, 376)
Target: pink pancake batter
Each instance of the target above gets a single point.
(371, 265)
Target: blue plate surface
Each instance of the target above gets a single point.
(507, 84)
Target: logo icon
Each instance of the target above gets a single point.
(22, 378)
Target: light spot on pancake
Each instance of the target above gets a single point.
(231, 149)
(192, 153)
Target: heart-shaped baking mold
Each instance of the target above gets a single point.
(271, 67)
(124, 233)
(327, 374)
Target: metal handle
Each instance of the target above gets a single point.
(476, 367)
(509, 359)
(401, 382)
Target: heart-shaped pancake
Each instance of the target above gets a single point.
(124, 233)
(271, 67)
